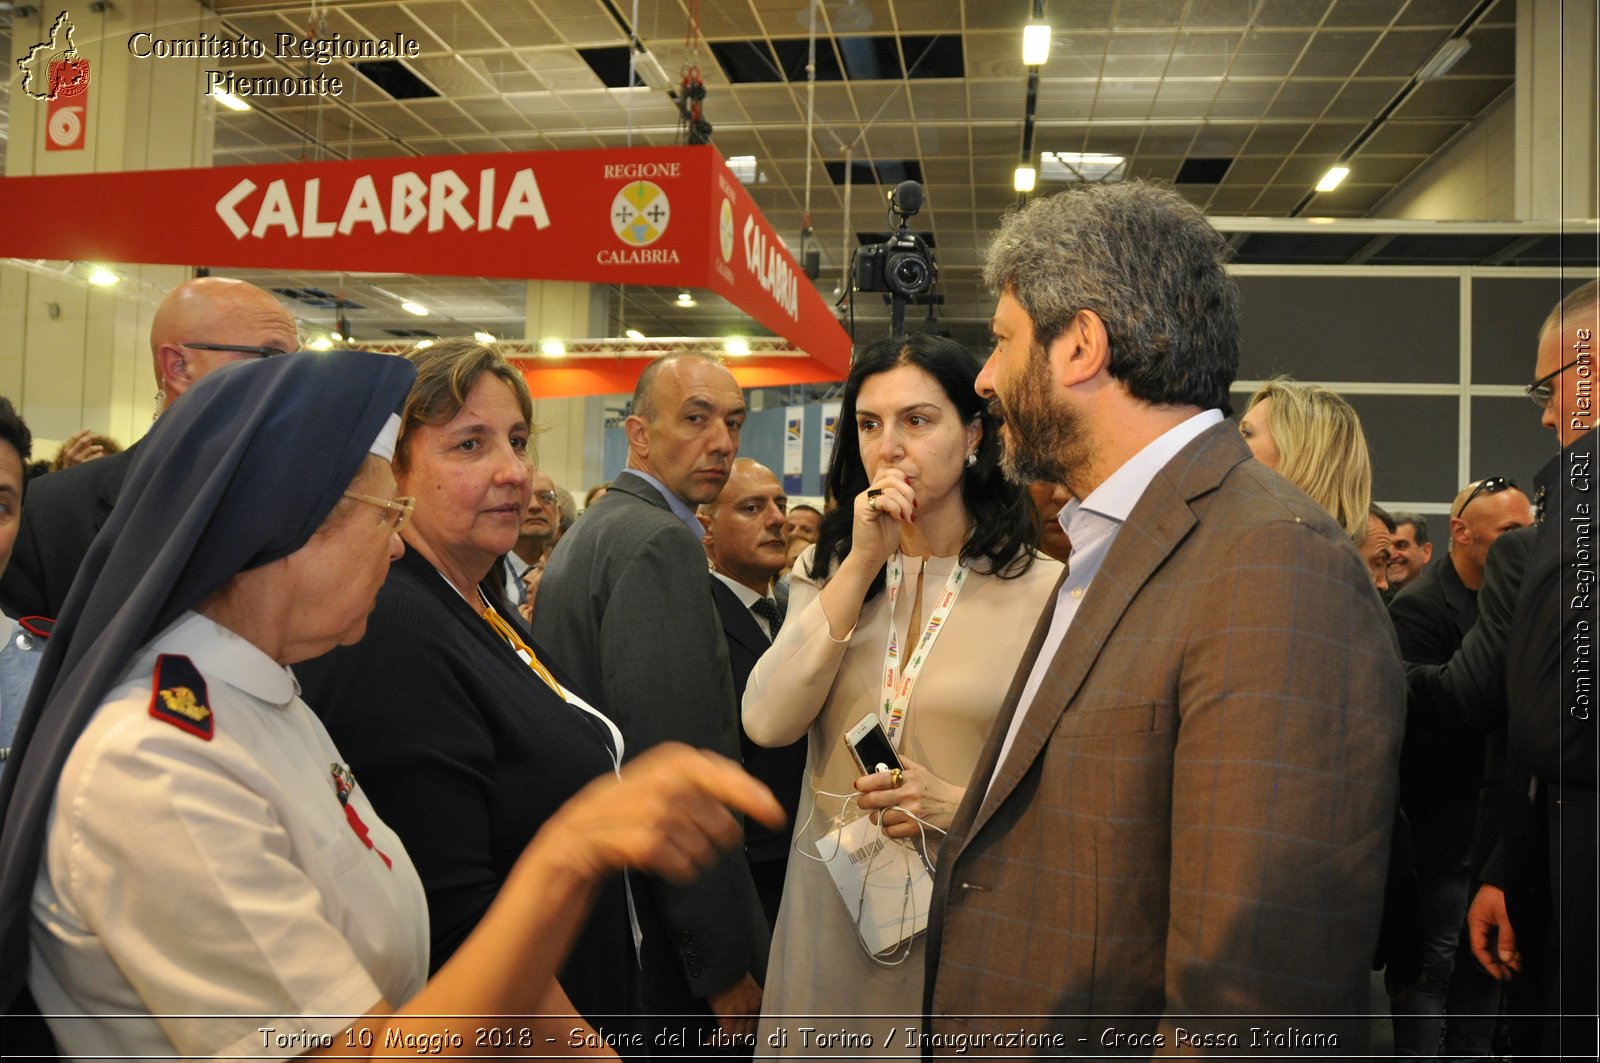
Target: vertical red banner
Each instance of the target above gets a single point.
(66, 118)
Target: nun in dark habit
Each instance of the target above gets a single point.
(185, 857)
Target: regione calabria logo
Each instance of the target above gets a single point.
(53, 69)
(640, 213)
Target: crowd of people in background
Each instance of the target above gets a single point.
(361, 721)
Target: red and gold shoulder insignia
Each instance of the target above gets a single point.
(179, 696)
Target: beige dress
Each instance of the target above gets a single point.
(819, 976)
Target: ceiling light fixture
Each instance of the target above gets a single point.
(483, 337)
(1036, 43)
(552, 348)
(1090, 167)
(1024, 178)
(634, 334)
(1448, 55)
(650, 71)
(230, 101)
(414, 308)
(423, 345)
(744, 168)
(101, 277)
(1331, 179)
(685, 299)
(737, 346)
(321, 343)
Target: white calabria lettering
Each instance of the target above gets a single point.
(636, 256)
(411, 201)
(768, 265)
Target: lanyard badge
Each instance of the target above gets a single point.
(897, 681)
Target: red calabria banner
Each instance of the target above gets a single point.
(656, 216)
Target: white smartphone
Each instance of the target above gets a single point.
(870, 746)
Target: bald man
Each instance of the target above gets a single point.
(625, 606)
(202, 325)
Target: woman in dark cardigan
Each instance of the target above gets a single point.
(465, 736)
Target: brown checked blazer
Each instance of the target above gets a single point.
(1192, 826)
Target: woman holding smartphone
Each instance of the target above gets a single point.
(915, 605)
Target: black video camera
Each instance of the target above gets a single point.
(903, 264)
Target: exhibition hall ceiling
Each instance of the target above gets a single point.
(1242, 104)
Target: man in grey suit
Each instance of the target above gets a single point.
(625, 606)
(1175, 838)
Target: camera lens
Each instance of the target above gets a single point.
(908, 273)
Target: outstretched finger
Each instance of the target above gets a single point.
(688, 771)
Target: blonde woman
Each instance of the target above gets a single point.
(1312, 437)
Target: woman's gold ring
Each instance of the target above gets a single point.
(872, 504)
(896, 776)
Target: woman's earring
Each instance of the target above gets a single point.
(972, 459)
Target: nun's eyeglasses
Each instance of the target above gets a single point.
(397, 510)
(258, 352)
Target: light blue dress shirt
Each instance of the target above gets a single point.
(680, 509)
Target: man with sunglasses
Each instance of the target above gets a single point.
(1441, 772)
(202, 324)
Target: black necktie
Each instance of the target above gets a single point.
(767, 609)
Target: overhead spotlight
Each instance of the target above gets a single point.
(1024, 178)
(634, 334)
(101, 277)
(552, 348)
(483, 337)
(685, 299)
(230, 101)
(1331, 179)
(423, 345)
(414, 308)
(737, 346)
(1036, 43)
(337, 336)
(321, 343)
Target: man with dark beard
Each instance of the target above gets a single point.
(1175, 837)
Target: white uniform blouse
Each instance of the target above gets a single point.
(194, 891)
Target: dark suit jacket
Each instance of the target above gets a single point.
(1441, 769)
(1546, 859)
(61, 514)
(625, 607)
(781, 769)
(1467, 694)
(465, 753)
(1194, 818)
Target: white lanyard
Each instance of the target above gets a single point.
(522, 651)
(897, 682)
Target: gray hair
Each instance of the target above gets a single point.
(1417, 521)
(1579, 304)
(1147, 262)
